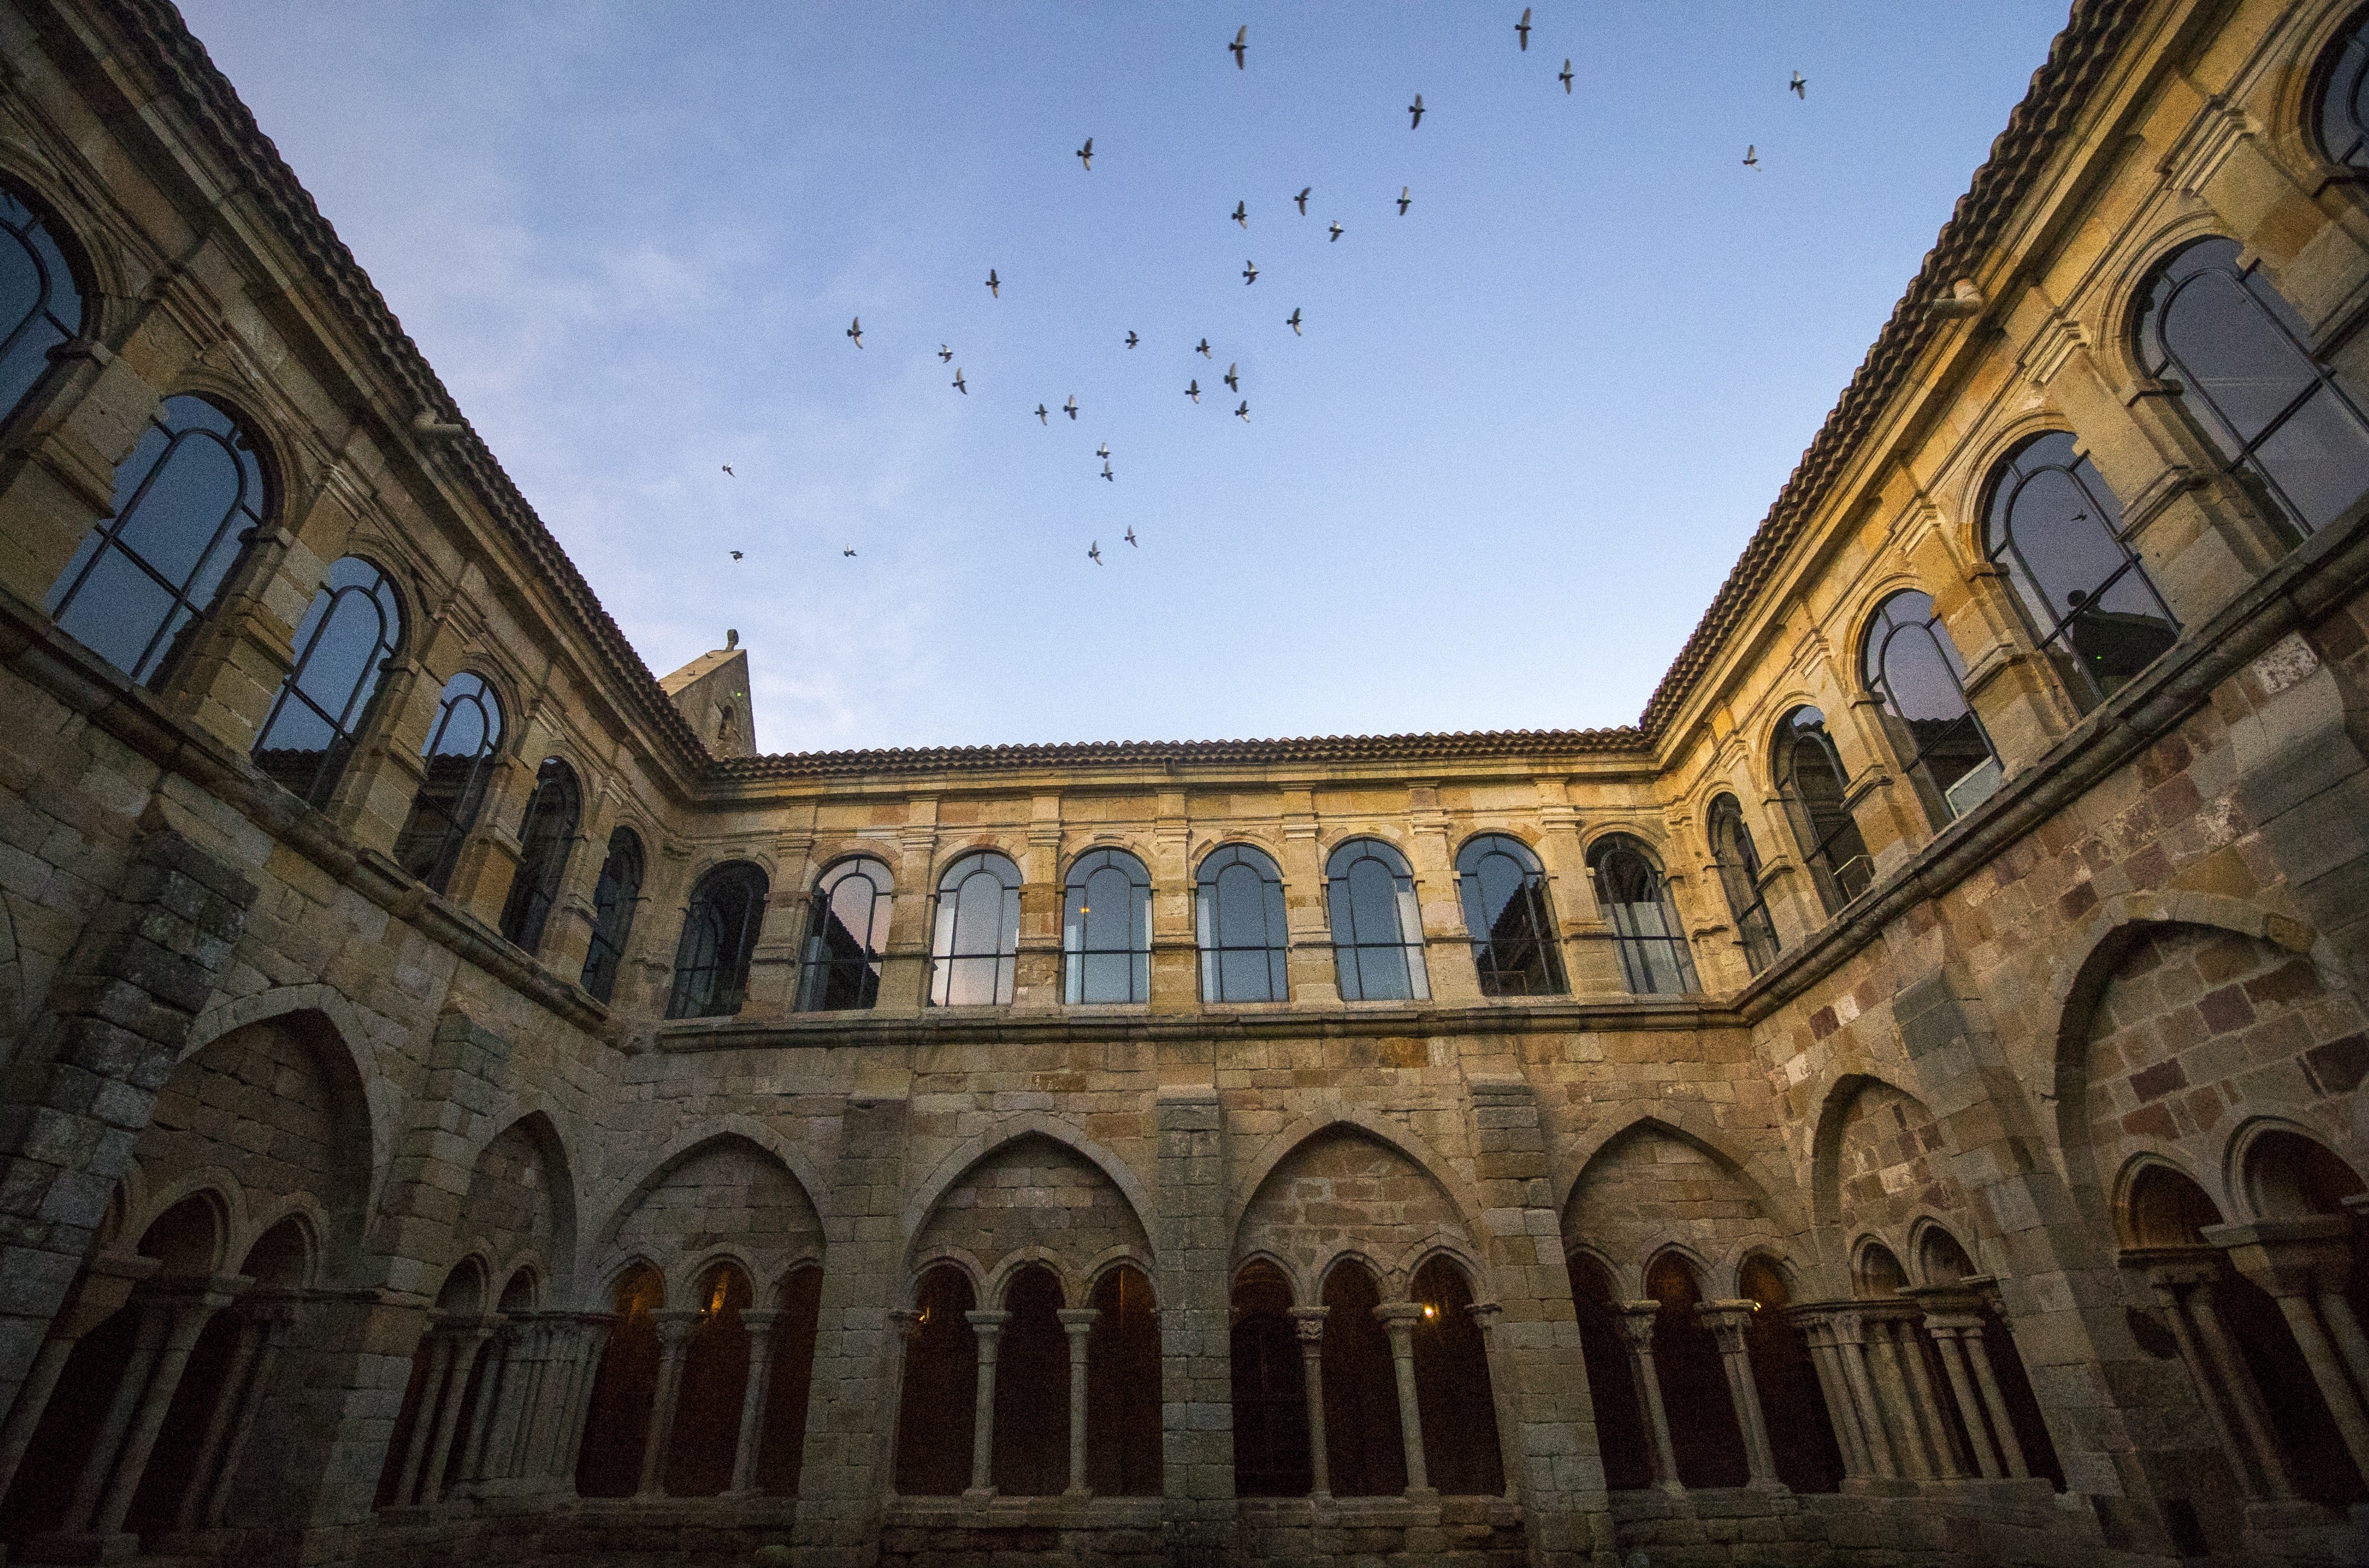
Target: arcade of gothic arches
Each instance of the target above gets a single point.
(1899, 1101)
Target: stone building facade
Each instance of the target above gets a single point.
(1899, 1101)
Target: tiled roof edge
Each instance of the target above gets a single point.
(1459, 745)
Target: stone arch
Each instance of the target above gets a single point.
(1770, 1181)
(722, 1191)
(1034, 1255)
(1443, 1247)
(1031, 1199)
(957, 1165)
(1347, 1191)
(1397, 1135)
(1651, 1188)
(336, 1030)
(2271, 1171)
(217, 1186)
(522, 1198)
(1881, 1158)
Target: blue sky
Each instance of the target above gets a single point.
(1525, 431)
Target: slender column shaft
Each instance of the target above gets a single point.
(2010, 1446)
(1399, 1319)
(1309, 1324)
(155, 1318)
(2343, 1403)
(480, 1432)
(1953, 1365)
(226, 1411)
(99, 1293)
(258, 1388)
(989, 1326)
(582, 1378)
(1636, 1319)
(1931, 1415)
(523, 1359)
(760, 1324)
(1078, 1322)
(1851, 1351)
(466, 1344)
(1897, 1402)
(674, 1325)
(32, 1401)
(1727, 1321)
(1842, 1410)
(2244, 1392)
(440, 1347)
(2169, 1294)
(2344, 1328)
(190, 1317)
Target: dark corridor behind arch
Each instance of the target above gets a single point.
(715, 1379)
(1030, 1456)
(1123, 1435)
(1620, 1436)
(1270, 1389)
(1793, 1405)
(1362, 1446)
(1695, 1396)
(1452, 1391)
(618, 1423)
(939, 1399)
(780, 1454)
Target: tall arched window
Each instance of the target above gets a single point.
(1812, 783)
(1238, 920)
(974, 948)
(346, 637)
(1739, 878)
(1107, 930)
(460, 754)
(847, 929)
(2292, 433)
(188, 501)
(2057, 528)
(1636, 898)
(1504, 893)
(546, 833)
(2343, 117)
(1377, 924)
(613, 901)
(1910, 663)
(40, 305)
(711, 963)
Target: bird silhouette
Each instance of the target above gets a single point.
(855, 331)
(1233, 382)
(1406, 199)
(1751, 157)
(1522, 29)
(1086, 152)
(1565, 77)
(1241, 46)
(728, 473)
(1293, 320)
(1415, 109)
(1095, 553)
(994, 284)
(1193, 390)
(1202, 348)
(735, 555)
(1042, 417)
(1106, 471)
(1070, 408)
(945, 355)
(1103, 451)
(848, 551)
(1130, 535)
(958, 382)
(1336, 231)
(1132, 340)
(1800, 86)
(1302, 198)
(1241, 215)
(1244, 412)
(1249, 273)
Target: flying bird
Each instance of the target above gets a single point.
(945, 355)
(1293, 323)
(1249, 273)
(1130, 535)
(1042, 418)
(1522, 29)
(1193, 390)
(735, 555)
(848, 551)
(1415, 109)
(1241, 46)
(1132, 340)
(1106, 472)
(1244, 412)
(1095, 553)
(855, 331)
(1751, 157)
(994, 284)
(1070, 408)
(1086, 152)
(1302, 198)
(1233, 382)
(728, 473)
(1336, 231)
(1241, 215)
(1202, 348)
(958, 382)
(1103, 451)
(1800, 86)
(1565, 77)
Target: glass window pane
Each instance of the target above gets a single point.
(2318, 458)
(117, 612)
(173, 524)
(1373, 902)
(2232, 353)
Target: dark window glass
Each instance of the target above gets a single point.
(2293, 433)
(1505, 893)
(40, 306)
(2344, 97)
(977, 931)
(348, 635)
(1377, 924)
(1107, 930)
(188, 501)
(1911, 663)
(614, 902)
(847, 929)
(546, 833)
(1739, 878)
(1811, 781)
(711, 965)
(1239, 921)
(458, 754)
(1645, 927)
(2057, 528)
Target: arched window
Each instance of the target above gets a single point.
(1238, 920)
(1739, 878)
(460, 754)
(188, 501)
(40, 305)
(2293, 433)
(1809, 780)
(711, 965)
(1377, 924)
(847, 928)
(348, 634)
(972, 952)
(546, 833)
(2057, 529)
(1645, 928)
(1107, 930)
(614, 902)
(1910, 663)
(1504, 893)
(2343, 117)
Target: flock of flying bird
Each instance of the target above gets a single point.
(1240, 48)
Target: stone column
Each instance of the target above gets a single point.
(2302, 1263)
(440, 1345)
(1637, 1321)
(188, 1312)
(1817, 1332)
(674, 1325)
(258, 1388)
(1078, 1322)
(573, 1405)
(1895, 1398)
(1949, 1332)
(1399, 1319)
(760, 1321)
(240, 1391)
(97, 1295)
(2212, 1356)
(475, 1438)
(468, 1339)
(1194, 1236)
(1727, 1321)
(1309, 1324)
(1850, 1331)
(988, 1327)
(1925, 1400)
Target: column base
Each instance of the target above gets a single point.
(1877, 1486)
(79, 1547)
(978, 1494)
(1428, 1497)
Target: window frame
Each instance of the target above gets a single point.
(1077, 925)
(1634, 948)
(1208, 923)
(1916, 751)
(1755, 933)
(470, 798)
(1832, 878)
(60, 266)
(2348, 43)
(1533, 896)
(946, 927)
(360, 707)
(548, 829)
(732, 950)
(1348, 961)
(615, 901)
(821, 970)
